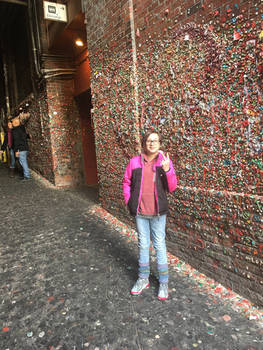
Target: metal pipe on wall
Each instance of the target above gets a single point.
(37, 28)
(17, 2)
(35, 51)
(135, 75)
(71, 74)
(59, 69)
(7, 99)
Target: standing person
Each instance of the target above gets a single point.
(8, 142)
(21, 148)
(147, 179)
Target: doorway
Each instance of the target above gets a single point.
(83, 101)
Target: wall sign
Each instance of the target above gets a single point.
(55, 12)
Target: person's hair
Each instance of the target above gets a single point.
(147, 133)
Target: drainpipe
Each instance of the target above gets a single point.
(37, 28)
(7, 100)
(135, 76)
(32, 28)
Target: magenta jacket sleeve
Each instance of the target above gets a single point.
(126, 183)
(171, 178)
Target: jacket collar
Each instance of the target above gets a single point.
(157, 159)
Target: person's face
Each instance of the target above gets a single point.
(16, 122)
(152, 144)
(10, 125)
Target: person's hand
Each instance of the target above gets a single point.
(165, 161)
(17, 154)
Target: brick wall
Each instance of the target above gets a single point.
(65, 133)
(55, 146)
(40, 156)
(194, 71)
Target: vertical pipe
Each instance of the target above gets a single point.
(32, 34)
(7, 100)
(14, 80)
(135, 76)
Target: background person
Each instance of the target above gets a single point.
(20, 143)
(8, 143)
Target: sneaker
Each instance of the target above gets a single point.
(139, 286)
(163, 291)
(25, 179)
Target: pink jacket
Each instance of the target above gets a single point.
(132, 184)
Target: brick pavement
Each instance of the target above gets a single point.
(65, 277)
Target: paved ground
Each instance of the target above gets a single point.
(65, 281)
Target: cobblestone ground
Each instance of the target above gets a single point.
(65, 280)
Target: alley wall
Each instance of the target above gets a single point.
(194, 71)
(55, 145)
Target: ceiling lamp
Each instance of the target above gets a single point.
(79, 42)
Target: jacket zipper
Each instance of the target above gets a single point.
(140, 194)
(156, 194)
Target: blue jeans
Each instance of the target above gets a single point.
(12, 158)
(23, 162)
(155, 226)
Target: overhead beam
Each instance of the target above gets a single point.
(16, 2)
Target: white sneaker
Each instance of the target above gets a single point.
(163, 291)
(139, 286)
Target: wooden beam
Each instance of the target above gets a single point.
(17, 2)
